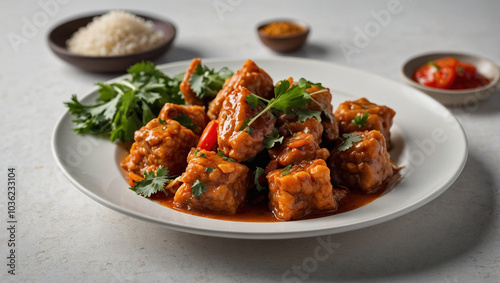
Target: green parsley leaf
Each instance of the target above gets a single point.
(253, 101)
(125, 106)
(125, 123)
(323, 109)
(198, 188)
(289, 100)
(153, 182)
(286, 170)
(303, 82)
(281, 87)
(305, 114)
(350, 139)
(221, 153)
(92, 118)
(360, 120)
(202, 155)
(209, 169)
(147, 113)
(307, 84)
(258, 172)
(294, 97)
(206, 82)
(285, 99)
(106, 92)
(270, 141)
(245, 124)
(249, 130)
(434, 65)
(185, 121)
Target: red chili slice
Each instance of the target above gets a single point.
(208, 139)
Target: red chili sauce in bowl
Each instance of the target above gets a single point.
(449, 73)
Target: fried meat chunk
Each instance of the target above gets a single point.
(379, 117)
(251, 77)
(225, 183)
(185, 87)
(287, 125)
(165, 144)
(305, 189)
(365, 165)
(324, 98)
(235, 142)
(301, 146)
(192, 116)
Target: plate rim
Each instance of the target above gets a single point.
(256, 234)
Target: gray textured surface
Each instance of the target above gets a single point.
(64, 236)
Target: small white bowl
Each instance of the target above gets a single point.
(450, 96)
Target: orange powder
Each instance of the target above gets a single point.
(282, 29)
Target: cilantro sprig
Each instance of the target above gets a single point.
(197, 153)
(286, 99)
(209, 169)
(258, 172)
(434, 65)
(153, 182)
(198, 188)
(306, 114)
(308, 84)
(185, 121)
(360, 120)
(126, 105)
(286, 170)
(349, 141)
(224, 157)
(289, 100)
(206, 82)
(270, 141)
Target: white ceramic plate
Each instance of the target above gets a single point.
(429, 143)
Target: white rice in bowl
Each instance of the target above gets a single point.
(113, 34)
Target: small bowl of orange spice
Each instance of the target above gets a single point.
(283, 35)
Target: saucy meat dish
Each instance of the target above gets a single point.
(225, 183)
(305, 189)
(379, 117)
(365, 165)
(160, 143)
(278, 143)
(234, 142)
(249, 76)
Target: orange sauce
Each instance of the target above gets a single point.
(261, 212)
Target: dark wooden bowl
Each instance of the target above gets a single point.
(106, 64)
(284, 43)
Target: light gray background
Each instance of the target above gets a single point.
(64, 236)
